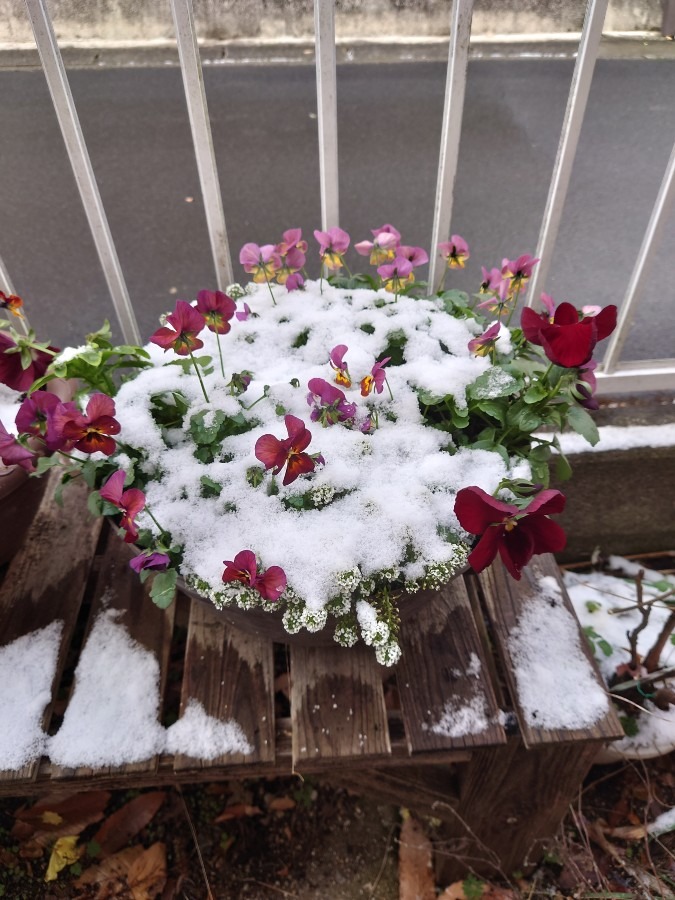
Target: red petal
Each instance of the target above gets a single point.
(605, 321)
(113, 488)
(298, 464)
(486, 549)
(547, 536)
(95, 442)
(477, 510)
(566, 314)
(569, 346)
(100, 405)
(164, 337)
(516, 550)
(298, 435)
(270, 451)
(532, 323)
(546, 503)
(272, 583)
(133, 502)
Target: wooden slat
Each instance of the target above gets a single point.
(443, 678)
(337, 705)
(46, 581)
(505, 599)
(232, 675)
(118, 588)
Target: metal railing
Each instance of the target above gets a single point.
(614, 375)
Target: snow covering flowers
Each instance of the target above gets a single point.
(407, 480)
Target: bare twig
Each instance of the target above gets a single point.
(662, 674)
(384, 860)
(651, 662)
(210, 895)
(633, 635)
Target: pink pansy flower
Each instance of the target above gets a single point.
(186, 323)
(12, 371)
(376, 379)
(516, 534)
(591, 310)
(382, 248)
(149, 561)
(294, 282)
(519, 270)
(293, 238)
(338, 363)
(34, 412)
(89, 432)
(333, 245)
(387, 229)
(244, 569)
(499, 300)
(275, 454)
(482, 345)
(12, 453)
(417, 256)
(568, 340)
(396, 275)
(492, 280)
(129, 503)
(242, 315)
(292, 259)
(329, 404)
(455, 251)
(217, 309)
(260, 262)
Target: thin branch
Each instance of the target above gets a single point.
(633, 635)
(651, 662)
(210, 895)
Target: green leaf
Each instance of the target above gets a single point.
(301, 339)
(164, 588)
(493, 383)
(629, 725)
(368, 328)
(44, 463)
(473, 888)
(210, 488)
(429, 399)
(493, 408)
(535, 393)
(563, 470)
(592, 606)
(523, 418)
(95, 503)
(579, 419)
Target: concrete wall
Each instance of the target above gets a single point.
(122, 20)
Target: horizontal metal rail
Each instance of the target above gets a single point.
(569, 139)
(326, 104)
(455, 85)
(640, 376)
(200, 126)
(64, 107)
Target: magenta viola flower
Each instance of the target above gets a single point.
(260, 262)
(129, 503)
(329, 404)
(513, 533)
(482, 345)
(217, 309)
(21, 365)
(291, 251)
(333, 245)
(90, 432)
(293, 238)
(500, 297)
(492, 280)
(294, 281)
(455, 251)
(244, 568)
(567, 339)
(383, 246)
(519, 270)
(275, 454)
(12, 453)
(586, 385)
(34, 412)
(416, 256)
(186, 323)
(242, 315)
(396, 275)
(338, 363)
(376, 379)
(150, 561)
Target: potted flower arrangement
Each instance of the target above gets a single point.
(324, 451)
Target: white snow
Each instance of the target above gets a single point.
(9, 406)
(555, 682)
(202, 736)
(614, 437)
(27, 668)
(459, 719)
(663, 823)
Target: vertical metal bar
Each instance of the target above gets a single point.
(195, 96)
(8, 288)
(326, 98)
(650, 241)
(460, 33)
(569, 138)
(57, 81)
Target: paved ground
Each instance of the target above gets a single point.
(264, 126)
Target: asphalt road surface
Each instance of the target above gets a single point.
(264, 125)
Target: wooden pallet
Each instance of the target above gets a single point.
(349, 719)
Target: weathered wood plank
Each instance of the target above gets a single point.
(46, 581)
(505, 601)
(231, 674)
(337, 704)
(447, 699)
(118, 588)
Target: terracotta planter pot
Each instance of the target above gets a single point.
(269, 625)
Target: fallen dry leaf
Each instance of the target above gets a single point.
(456, 891)
(124, 824)
(65, 852)
(55, 817)
(281, 803)
(628, 832)
(237, 811)
(415, 872)
(147, 874)
(110, 869)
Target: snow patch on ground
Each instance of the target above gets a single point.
(199, 735)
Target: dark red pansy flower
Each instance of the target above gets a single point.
(186, 323)
(217, 309)
(12, 453)
(89, 432)
(12, 372)
(275, 454)
(34, 412)
(515, 534)
(244, 568)
(568, 340)
(150, 560)
(129, 503)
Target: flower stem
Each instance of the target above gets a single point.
(161, 530)
(441, 283)
(515, 303)
(269, 287)
(386, 381)
(201, 382)
(220, 354)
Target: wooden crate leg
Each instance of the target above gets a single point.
(510, 800)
